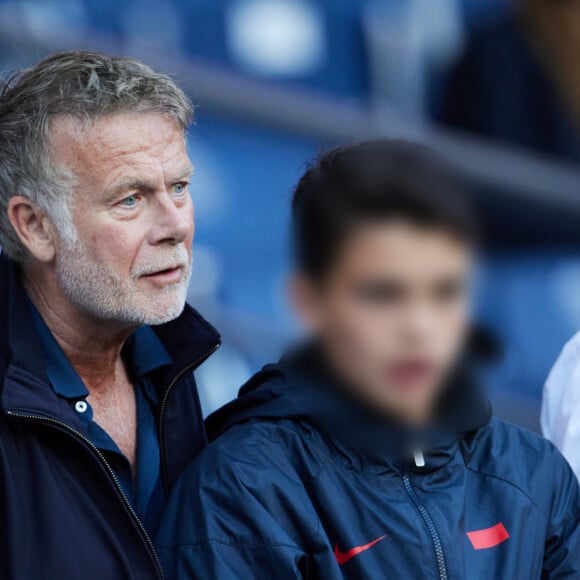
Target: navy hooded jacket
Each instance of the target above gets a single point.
(63, 513)
(302, 482)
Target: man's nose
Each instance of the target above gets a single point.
(173, 223)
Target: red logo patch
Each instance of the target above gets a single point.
(344, 557)
(489, 537)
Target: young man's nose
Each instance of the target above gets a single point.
(421, 322)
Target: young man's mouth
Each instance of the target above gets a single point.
(410, 374)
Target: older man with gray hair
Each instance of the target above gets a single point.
(99, 409)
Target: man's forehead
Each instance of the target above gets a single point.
(118, 141)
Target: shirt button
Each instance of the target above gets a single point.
(81, 406)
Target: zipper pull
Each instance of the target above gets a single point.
(418, 457)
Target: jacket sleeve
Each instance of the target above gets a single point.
(562, 552)
(561, 404)
(228, 518)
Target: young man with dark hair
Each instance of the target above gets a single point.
(371, 452)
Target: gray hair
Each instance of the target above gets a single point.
(83, 84)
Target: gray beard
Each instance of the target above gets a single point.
(101, 292)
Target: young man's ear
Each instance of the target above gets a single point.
(306, 301)
(34, 228)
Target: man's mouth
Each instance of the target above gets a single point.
(170, 275)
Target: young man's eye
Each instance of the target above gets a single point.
(379, 294)
(450, 292)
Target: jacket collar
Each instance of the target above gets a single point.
(301, 388)
(189, 340)
(370, 438)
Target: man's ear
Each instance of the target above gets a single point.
(33, 227)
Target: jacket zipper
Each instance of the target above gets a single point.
(177, 377)
(437, 546)
(95, 450)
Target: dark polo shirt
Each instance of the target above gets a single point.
(143, 355)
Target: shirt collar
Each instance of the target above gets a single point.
(143, 352)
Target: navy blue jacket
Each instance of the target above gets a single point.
(302, 482)
(62, 512)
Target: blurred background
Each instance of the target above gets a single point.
(493, 83)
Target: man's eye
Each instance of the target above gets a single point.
(130, 201)
(179, 188)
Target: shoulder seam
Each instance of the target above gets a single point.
(508, 482)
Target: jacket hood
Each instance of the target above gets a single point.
(300, 388)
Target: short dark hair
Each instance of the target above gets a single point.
(375, 181)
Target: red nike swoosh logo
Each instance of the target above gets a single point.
(344, 557)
